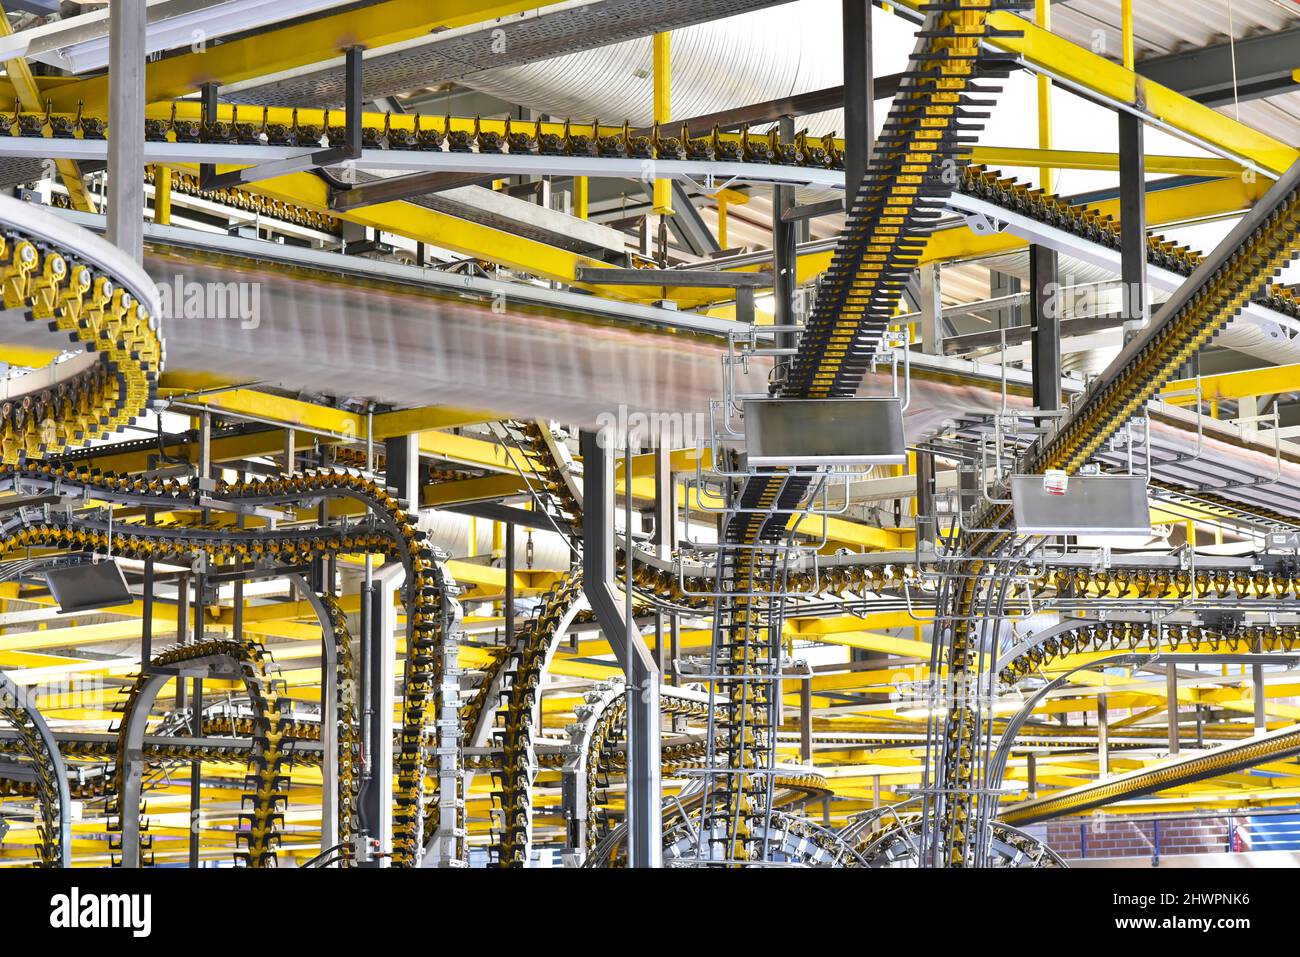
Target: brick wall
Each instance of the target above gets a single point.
(1117, 836)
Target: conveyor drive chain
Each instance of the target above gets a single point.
(522, 693)
(267, 782)
(84, 303)
(1130, 635)
(432, 611)
(923, 141)
(44, 786)
(1192, 319)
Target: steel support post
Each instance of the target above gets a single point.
(329, 715)
(785, 258)
(402, 469)
(925, 514)
(205, 483)
(196, 728)
(146, 614)
(931, 309)
(1171, 705)
(290, 451)
(126, 59)
(509, 608)
(1257, 684)
(1031, 774)
(645, 842)
(1045, 315)
(859, 96)
(376, 804)
(805, 721)
(1133, 223)
(665, 541)
(1103, 737)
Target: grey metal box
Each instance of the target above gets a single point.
(1091, 505)
(87, 586)
(825, 432)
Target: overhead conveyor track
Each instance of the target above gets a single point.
(1216, 291)
(918, 630)
(878, 248)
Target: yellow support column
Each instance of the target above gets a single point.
(1046, 175)
(162, 195)
(663, 199)
(580, 196)
(1126, 18)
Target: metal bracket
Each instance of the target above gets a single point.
(210, 179)
(982, 225)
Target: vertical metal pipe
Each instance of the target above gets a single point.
(354, 100)
(146, 615)
(377, 793)
(1103, 736)
(1133, 222)
(643, 734)
(1257, 682)
(510, 585)
(1031, 773)
(205, 452)
(859, 96)
(806, 722)
(126, 59)
(182, 626)
(196, 728)
(1171, 702)
(1045, 314)
(925, 517)
(785, 257)
(665, 541)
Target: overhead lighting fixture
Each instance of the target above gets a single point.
(194, 29)
(829, 432)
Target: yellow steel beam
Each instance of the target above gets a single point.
(1271, 380)
(814, 628)
(29, 95)
(1057, 57)
(307, 415)
(490, 487)
(1001, 156)
(302, 44)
